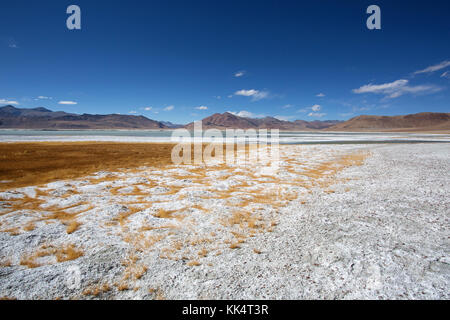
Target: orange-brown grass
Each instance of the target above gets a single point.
(5, 263)
(193, 263)
(64, 253)
(26, 203)
(122, 286)
(72, 227)
(199, 207)
(134, 271)
(168, 214)
(123, 216)
(158, 294)
(150, 228)
(96, 290)
(242, 218)
(203, 252)
(66, 218)
(38, 163)
(322, 174)
(235, 245)
(12, 231)
(173, 190)
(30, 226)
(135, 192)
(141, 242)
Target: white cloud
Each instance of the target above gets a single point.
(316, 108)
(316, 115)
(255, 94)
(148, 108)
(396, 89)
(239, 74)
(202, 108)
(169, 108)
(287, 106)
(436, 67)
(7, 101)
(446, 74)
(44, 98)
(320, 95)
(246, 93)
(13, 45)
(132, 112)
(67, 102)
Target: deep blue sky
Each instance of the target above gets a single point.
(132, 55)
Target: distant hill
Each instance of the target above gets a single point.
(171, 125)
(425, 121)
(42, 118)
(229, 120)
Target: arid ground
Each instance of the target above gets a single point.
(118, 220)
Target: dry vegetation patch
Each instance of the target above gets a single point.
(62, 253)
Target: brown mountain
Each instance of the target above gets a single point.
(425, 121)
(229, 120)
(42, 118)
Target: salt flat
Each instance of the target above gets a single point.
(335, 222)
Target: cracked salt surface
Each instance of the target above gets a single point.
(335, 222)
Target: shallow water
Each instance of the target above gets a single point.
(166, 136)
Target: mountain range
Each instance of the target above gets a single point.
(42, 118)
(424, 121)
(229, 120)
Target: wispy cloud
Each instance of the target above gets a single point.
(239, 74)
(68, 102)
(169, 108)
(446, 74)
(148, 108)
(43, 98)
(132, 112)
(396, 89)
(254, 94)
(287, 106)
(320, 95)
(316, 115)
(7, 101)
(201, 108)
(436, 67)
